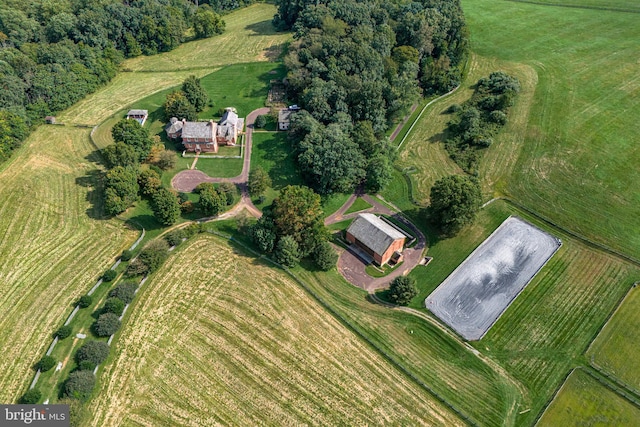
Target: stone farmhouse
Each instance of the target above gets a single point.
(207, 136)
(378, 239)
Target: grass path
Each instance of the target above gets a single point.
(51, 247)
(263, 352)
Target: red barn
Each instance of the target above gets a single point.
(376, 237)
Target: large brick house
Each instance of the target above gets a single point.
(374, 236)
(207, 136)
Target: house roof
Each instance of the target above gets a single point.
(174, 126)
(374, 233)
(138, 113)
(229, 117)
(198, 129)
(285, 115)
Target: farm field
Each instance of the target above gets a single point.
(53, 245)
(263, 352)
(566, 149)
(248, 37)
(622, 5)
(583, 401)
(615, 349)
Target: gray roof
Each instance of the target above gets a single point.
(229, 117)
(285, 115)
(374, 233)
(174, 126)
(138, 113)
(198, 130)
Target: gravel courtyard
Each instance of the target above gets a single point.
(474, 296)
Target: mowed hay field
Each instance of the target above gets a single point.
(615, 350)
(248, 37)
(51, 250)
(621, 5)
(583, 401)
(219, 338)
(570, 151)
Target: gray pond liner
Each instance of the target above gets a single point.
(474, 296)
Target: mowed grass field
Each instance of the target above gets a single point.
(621, 5)
(579, 162)
(228, 340)
(615, 350)
(569, 151)
(583, 401)
(248, 37)
(53, 245)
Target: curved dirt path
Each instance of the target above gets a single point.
(353, 269)
(187, 180)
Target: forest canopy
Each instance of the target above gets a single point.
(361, 65)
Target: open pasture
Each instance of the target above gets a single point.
(605, 5)
(248, 37)
(472, 298)
(206, 343)
(583, 401)
(615, 350)
(578, 159)
(53, 245)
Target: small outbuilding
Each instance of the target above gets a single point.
(139, 115)
(50, 120)
(376, 237)
(284, 119)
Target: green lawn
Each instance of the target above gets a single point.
(622, 5)
(583, 401)
(358, 205)
(616, 349)
(579, 156)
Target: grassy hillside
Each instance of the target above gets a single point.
(585, 402)
(207, 343)
(619, 5)
(569, 151)
(53, 245)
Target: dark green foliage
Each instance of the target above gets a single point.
(86, 365)
(95, 352)
(46, 363)
(137, 268)
(229, 191)
(325, 256)
(167, 159)
(287, 252)
(455, 199)
(211, 201)
(154, 254)
(120, 154)
(63, 332)
(259, 181)
(121, 189)
(296, 212)
(79, 385)
(131, 133)
(174, 238)
(149, 182)
(113, 305)
(192, 229)
(125, 291)
(85, 301)
(195, 93)
(107, 324)
(261, 121)
(207, 23)
(379, 173)
(31, 397)
(177, 105)
(330, 161)
(402, 290)
(479, 119)
(166, 207)
(13, 129)
(109, 275)
(263, 234)
(126, 255)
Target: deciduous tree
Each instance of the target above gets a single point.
(166, 207)
(455, 199)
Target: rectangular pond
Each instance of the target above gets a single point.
(474, 296)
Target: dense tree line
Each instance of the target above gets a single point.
(55, 52)
(358, 66)
(477, 121)
(292, 228)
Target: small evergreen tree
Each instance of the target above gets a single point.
(109, 275)
(261, 121)
(107, 324)
(79, 385)
(85, 301)
(287, 252)
(93, 351)
(195, 93)
(113, 305)
(31, 397)
(325, 256)
(46, 363)
(402, 290)
(63, 332)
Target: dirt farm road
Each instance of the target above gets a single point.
(187, 180)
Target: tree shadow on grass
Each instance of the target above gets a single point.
(262, 28)
(93, 181)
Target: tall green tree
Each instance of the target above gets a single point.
(177, 105)
(455, 200)
(287, 252)
(120, 154)
(207, 23)
(166, 207)
(121, 189)
(402, 290)
(259, 181)
(211, 201)
(131, 133)
(195, 93)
